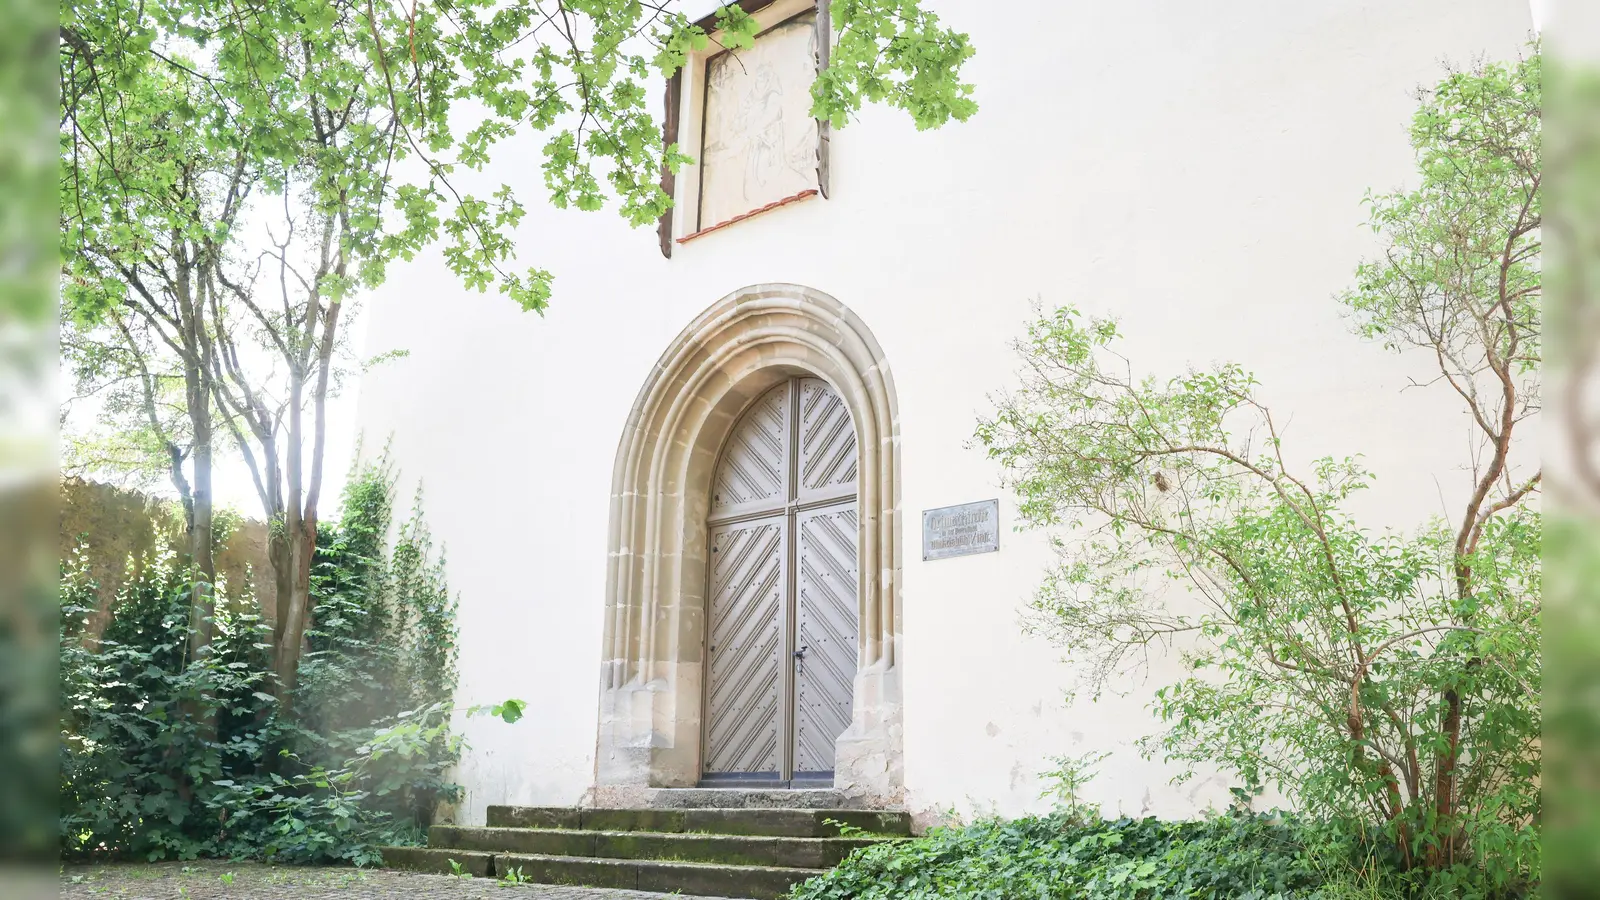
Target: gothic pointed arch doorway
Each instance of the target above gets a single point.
(659, 724)
(782, 587)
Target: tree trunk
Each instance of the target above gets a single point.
(202, 594)
(1442, 852)
(197, 390)
(202, 601)
(292, 564)
(283, 583)
(197, 397)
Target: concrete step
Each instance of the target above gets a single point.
(429, 859)
(690, 878)
(753, 852)
(697, 879)
(747, 798)
(755, 822)
(743, 850)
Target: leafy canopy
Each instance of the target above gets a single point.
(375, 112)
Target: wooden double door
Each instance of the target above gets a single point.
(782, 625)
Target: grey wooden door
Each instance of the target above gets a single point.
(782, 624)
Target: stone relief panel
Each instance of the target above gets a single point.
(760, 141)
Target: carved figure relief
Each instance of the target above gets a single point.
(760, 139)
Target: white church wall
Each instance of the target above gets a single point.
(1195, 169)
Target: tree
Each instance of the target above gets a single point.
(1388, 677)
(143, 203)
(339, 127)
(134, 394)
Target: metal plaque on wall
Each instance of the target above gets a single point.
(961, 530)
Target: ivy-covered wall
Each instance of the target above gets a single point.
(119, 528)
(169, 753)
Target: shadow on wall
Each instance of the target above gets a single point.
(120, 528)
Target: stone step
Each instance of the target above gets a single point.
(744, 850)
(748, 798)
(429, 859)
(666, 876)
(756, 822)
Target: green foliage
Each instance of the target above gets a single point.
(428, 611)
(845, 829)
(29, 704)
(1238, 856)
(365, 758)
(384, 637)
(1462, 249)
(1379, 677)
(1065, 783)
(891, 51)
(236, 174)
(1572, 538)
(27, 93)
(382, 650)
(137, 769)
(1317, 650)
(509, 711)
(371, 113)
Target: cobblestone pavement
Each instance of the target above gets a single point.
(210, 880)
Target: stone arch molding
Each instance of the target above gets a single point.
(651, 675)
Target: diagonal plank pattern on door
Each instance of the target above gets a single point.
(755, 462)
(826, 628)
(781, 646)
(745, 637)
(827, 439)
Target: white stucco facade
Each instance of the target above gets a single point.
(1193, 169)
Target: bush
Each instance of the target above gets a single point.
(1236, 856)
(164, 755)
(1390, 676)
(138, 757)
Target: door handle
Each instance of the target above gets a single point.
(801, 653)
